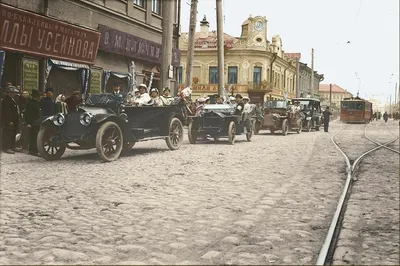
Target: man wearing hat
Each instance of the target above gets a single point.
(144, 97)
(154, 96)
(166, 98)
(32, 119)
(327, 115)
(117, 92)
(10, 115)
(239, 104)
(47, 103)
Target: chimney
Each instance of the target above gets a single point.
(204, 26)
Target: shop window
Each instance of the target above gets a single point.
(180, 75)
(257, 75)
(232, 74)
(213, 75)
(156, 6)
(139, 3)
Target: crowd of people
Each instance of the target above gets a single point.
(21, 114)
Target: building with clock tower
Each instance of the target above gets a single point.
(254, 66)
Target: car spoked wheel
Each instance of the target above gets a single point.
(175, 138)
(300, 127)
(128, 146)
(192, 133)
(285, 127)
(232, 133)
(109, 141)
(309, 126)
(47, 149)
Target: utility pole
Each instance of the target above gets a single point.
(297, 78)
(312, 72)
(168, 11)
(220, 40)
(390, 104)
(395, 96)
(192, 34)
(330, 96)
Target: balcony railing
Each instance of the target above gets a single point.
(264, 86)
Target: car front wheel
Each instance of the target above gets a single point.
(109, 141)
(48, 150)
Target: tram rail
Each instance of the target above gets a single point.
(325, 256)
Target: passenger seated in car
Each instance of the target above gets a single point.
(137, 94)
(154, 96)
(165, 98)
(144, 98)
(200, 106)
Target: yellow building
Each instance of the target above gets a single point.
(254, 67)
(338, 94)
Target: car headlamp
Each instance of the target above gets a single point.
(59, 119)
(85, 119)
(275, 117)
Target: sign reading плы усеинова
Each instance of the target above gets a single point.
(30, 33)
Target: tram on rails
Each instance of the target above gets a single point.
(355, 110)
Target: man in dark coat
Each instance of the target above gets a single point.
(22, 101)
(10, 115)
(327, 115)
(47, 103)
(239, 104)
(73, 101)
(32, 119)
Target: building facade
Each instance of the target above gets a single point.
(338, 94)
(85, 45)
(305, 80)
(253, 67)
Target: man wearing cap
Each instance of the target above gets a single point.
(327, 115)
(32, 116)
(165, 98)
(144, 98)
(117, 92)
(47, 103)
(10, 115)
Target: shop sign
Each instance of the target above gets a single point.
(95, 81)
(205, 88)
(30, 74)
(30, 33)
(118, 42)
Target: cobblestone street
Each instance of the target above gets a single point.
(268, 201)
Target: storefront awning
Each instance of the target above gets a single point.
(68, 64)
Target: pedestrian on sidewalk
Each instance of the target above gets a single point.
(327, 115)
(47, 103)
(10, 115)
(32, 119)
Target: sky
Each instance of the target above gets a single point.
(369, 63)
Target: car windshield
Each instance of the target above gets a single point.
(103, 99)
(275, 104)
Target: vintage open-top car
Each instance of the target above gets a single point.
(278, 117)
(104, 123)
(311, 113)
(219, 121)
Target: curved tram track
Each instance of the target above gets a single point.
(327, 250)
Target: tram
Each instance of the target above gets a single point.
(355, 110)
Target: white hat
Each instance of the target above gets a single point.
(232, 98)
(207, 98)
(143, 85)
(136, 90)
(201, 100)
(246, 98)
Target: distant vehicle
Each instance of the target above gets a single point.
(355, 110)
(278, 117)
(219, 121)
(109, 126)
(312, 113)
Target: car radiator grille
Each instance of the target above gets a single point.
(72, 127)
(212, 122)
